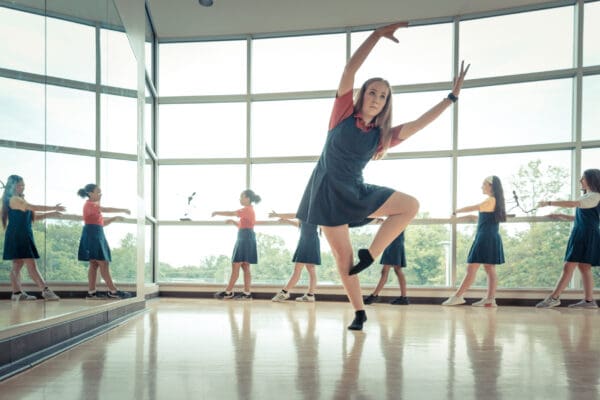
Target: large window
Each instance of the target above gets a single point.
(22, 111)
(254, 114)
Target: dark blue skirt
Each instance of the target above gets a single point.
(93, 244)
(583, 247)
(308, 250)
(394, 253)
(245, 247)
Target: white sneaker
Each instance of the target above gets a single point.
(584, 304)
(548, 302)
(454, 301)
(485, 302)
(281, 296)
(49, 295)
(22, 296)
(306, 298)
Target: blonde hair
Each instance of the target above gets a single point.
(383, 120)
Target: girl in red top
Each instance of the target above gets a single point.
(93, 246)
(244, 252)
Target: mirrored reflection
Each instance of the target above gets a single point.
(307, 353)
(50, 124)
(347, 385)
(391, 340)
(243, 340)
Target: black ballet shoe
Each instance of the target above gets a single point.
(359, 319)
(364, 261)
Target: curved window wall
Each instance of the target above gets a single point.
(254, 113)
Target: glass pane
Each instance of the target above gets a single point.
(590, 158)
(202, 68)
(71, 50)
(148, 252)
(518, 43)
(288, 64)
(118, 64)
(22, 111)
(118, 182)
(79, 130)
(119, 124)
(274, 133)
(532, 176)
(281, 186)
(149, 122)
(591, 33)
(201, 127)
(216, 188)
(590, 125)
(149, 186)
(122, 240)
(516, 114)
(82, 170)
(424, 54)
(26, 51)
(410, 106)
(434, 197)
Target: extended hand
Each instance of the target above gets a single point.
(458, 82)
(388, 30)
(59, 207)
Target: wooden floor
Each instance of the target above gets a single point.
(210, 349)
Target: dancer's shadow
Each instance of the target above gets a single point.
(392, 349)
(581, 354)
(244, 343)
(347, 386)
(485, 356)
(307, 353)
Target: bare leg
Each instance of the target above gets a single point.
(34, 273)
(294, 278)
(15, 275)
(247, 277)
(490, 270)
(339, 241)
(468, 279)
(92, 276)
(235, 273)
(400, 209)
(312, 278)
(588, 281)
(401, 280)
(564, 279)
(105, 273)
(382, 280)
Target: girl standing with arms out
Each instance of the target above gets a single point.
(336, 194)
(393, 256)
(583, 248)
(93, 246)
(17, 215)
(487, 247)
(244, 252)
(308, 253)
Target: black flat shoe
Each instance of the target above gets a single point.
(364, 261)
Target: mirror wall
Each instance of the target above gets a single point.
(68, 117)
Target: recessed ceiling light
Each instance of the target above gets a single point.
(206, 3)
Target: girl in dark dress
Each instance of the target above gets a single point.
(244, 251)
(583, 248)
(336, 195)
(93, 246)
(19, 247)
(487, 246)
(307, 254)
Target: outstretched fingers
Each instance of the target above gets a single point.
(389, 30)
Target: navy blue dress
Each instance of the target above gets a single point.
(308, 250)
(93, 244)
(245, 247)
(18, 238)
(584, 242)
(336, 193)
(394, 253)
(487, 246)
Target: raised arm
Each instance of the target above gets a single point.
(274, 214)
(560, 203)
(19, 203)
(49, 214)
(115, 210)
(108, 221)
(225, 213)
(404, 131)
(360, 55)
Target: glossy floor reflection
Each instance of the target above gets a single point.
(209, 349)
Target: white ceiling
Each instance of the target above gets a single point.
(181, 19)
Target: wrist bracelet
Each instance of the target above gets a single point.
(452, 97)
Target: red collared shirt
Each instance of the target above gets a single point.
(247, 217)
(92, 214)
